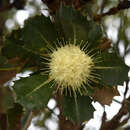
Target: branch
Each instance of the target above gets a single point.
(6, 75)
(28, 122)
(115, 123)
(127, 128)
(18, 4)
(3, 116)
(126, 89)
(121, 6)
(3, 121)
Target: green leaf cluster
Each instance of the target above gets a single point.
(33, 92)
(41, 32)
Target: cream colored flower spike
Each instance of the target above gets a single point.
(70, 67)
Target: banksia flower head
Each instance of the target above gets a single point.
(71, 67)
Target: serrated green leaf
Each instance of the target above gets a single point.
(34, 91)
(72, 25)
(13, 48)
(80, 111)
(117, 71)
(38, 32)
(33, 38)
(30, 42)
(20, 51)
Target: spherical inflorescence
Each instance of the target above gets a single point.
(70, 67)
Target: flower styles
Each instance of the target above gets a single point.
(71, 67)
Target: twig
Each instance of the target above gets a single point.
(52, 110)
(121, 6)
(127, 128)
(126, 89)
(103, 5)
(28, 121)
(114, 123)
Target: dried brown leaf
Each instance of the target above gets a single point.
(105, 95)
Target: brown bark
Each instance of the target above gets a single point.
(6, 76)
(3, 121)
(3, 117)
(18, 124)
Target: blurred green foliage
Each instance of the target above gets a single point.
(28, 43)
